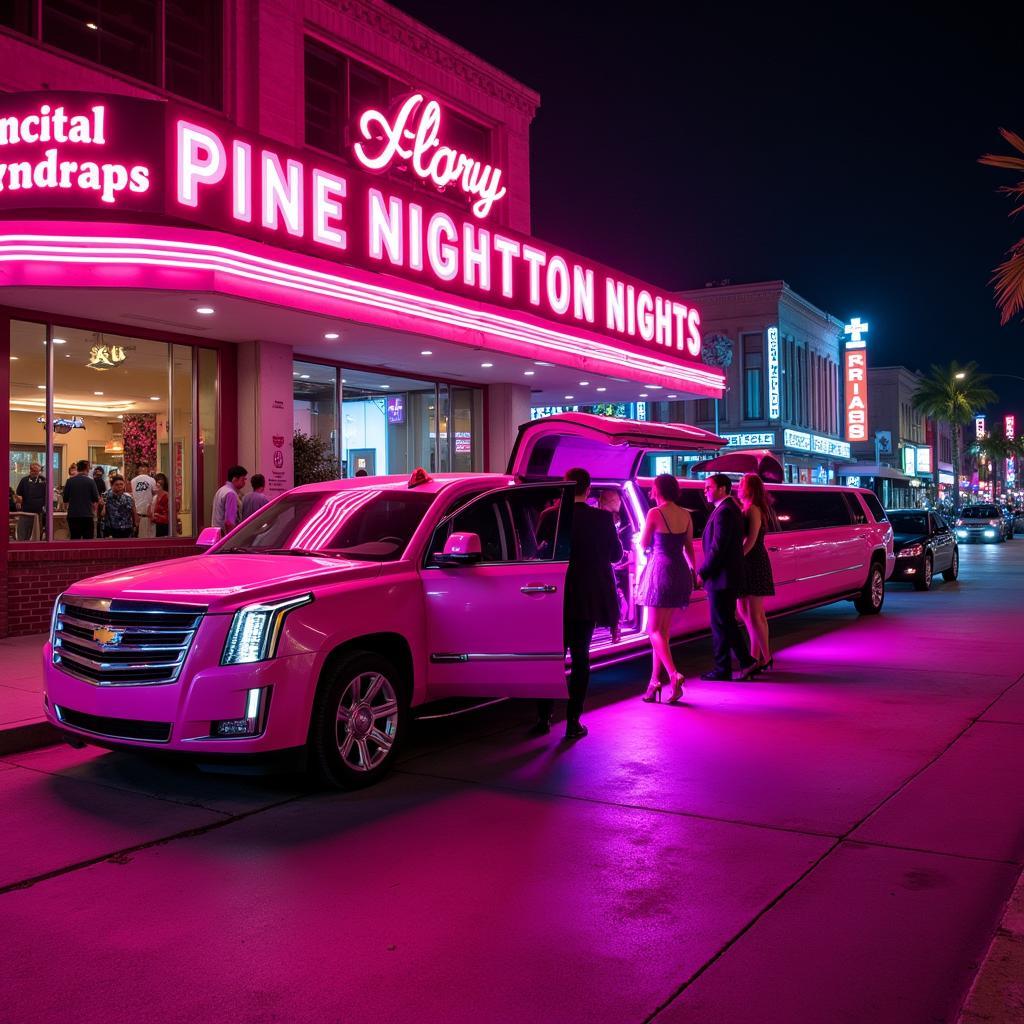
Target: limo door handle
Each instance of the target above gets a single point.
(538, 588)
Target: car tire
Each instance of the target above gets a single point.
(872, 596)
(950, 574)
(924, 581)
(360, 718)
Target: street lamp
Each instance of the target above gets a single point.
(960, 375)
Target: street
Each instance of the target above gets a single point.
(832, 842)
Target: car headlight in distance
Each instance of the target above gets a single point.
(256, 629)
(910, 551)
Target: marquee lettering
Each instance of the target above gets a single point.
(413, 137)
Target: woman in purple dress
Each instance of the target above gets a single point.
(667, 580)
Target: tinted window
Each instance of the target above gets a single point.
(523, 524)
(370, 526)
(980, 512)
(810, 510)
(857, 512)
(875, 506)
(909, 522)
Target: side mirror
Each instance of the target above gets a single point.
(461, 549)
(208, 537)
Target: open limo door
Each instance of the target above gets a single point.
(609, 449)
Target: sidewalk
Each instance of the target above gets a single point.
(22, 725)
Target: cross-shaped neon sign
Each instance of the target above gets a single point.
(855, 329)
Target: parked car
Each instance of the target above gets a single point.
(983, 522)
(1010, 518)
(319, 624)
(924, 545)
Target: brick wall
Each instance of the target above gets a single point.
(36, 575)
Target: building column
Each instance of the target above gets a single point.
(508, 406)
(265, 413)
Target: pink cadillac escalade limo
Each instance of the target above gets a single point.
(321, 622)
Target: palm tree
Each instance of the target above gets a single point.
(953, 394)
(1009, 275)
(995, 447)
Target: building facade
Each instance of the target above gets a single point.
(908, 458)
(783, 379)
(223, 223)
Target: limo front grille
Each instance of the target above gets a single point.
(115, 728)
(123, 643)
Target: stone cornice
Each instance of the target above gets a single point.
(393, 24)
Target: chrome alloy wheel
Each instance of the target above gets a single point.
(877, 588)
(367, 721)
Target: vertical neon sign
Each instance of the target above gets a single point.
(979, 427)
(856, 363)
(1011, 462)
(774, 390)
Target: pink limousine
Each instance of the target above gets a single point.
(323, 623)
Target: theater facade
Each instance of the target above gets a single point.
(287, 231)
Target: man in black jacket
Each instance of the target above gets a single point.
(590, 598)
(721, 576)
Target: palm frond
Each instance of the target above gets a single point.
(1013, 139)
(1008, 280)
(1005, 163)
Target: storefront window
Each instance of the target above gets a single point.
(315, 393)
(392, 425)
(207, 447)
(119, 407)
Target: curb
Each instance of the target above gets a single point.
(997, 994)
(29, 736)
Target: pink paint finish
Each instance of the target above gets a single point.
(475, 628)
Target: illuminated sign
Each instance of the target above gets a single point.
(412, 136)
(830, 446)
(1011, 472)
(924, 461)
(910, 460)
(106, 357)
(853, 481)
(856, 394)
(797, 439)
(979, 427)
(1011, 427)
(205, 171)
(762, 440)
(396, 408)
(774, 388)
(74, 149)
(64, 424)
(855, 330)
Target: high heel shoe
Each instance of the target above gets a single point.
(764, 666)
(653, 693)
(677, 689)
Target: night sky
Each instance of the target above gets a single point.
(835, 150)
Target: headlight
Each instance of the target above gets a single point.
(911, 551)
(53, 618)
(961, 533)
(256, 629)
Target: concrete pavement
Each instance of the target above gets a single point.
(832, 843)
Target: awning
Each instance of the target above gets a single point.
(873, 469)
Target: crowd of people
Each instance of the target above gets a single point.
(735, 574)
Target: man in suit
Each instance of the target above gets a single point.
(589, 598)
(721, 575)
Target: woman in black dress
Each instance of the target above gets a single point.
(758, 583)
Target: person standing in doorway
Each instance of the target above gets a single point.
(589, 599)
(143, 488)
(120, 518)
(227, 502)
(160, 510)
(721, 575)
(256, 499)
(82, 501)
(667, 580)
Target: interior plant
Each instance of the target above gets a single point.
(315, 460)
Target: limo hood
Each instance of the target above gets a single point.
(222, 583)
(609, 448)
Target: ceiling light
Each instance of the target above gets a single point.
(602, 389)
(120, 417)
(154, 398)
(643, 394)
(540, 362)
(92, 26)
(295, 373)
(671, 396)
(584, 383)
(526, 373)
(100, 393)
(303, 376)
(568, 398)
(343, 381)
(653, 387)
(426, 352)
(60, 341)
(205, 310)
(487, 366)
(42, 387)
(15, 358)
(332, 336)
(385, 386)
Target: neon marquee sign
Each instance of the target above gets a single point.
(412, 135)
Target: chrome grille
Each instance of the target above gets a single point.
(123, 643)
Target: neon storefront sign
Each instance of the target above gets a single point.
(774, 384)
(765, 439)
(1010, 427)
(856, 361)
(206, 172)
(412, 135)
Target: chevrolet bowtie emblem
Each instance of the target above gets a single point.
(107, 637)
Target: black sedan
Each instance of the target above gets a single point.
(924, 545)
